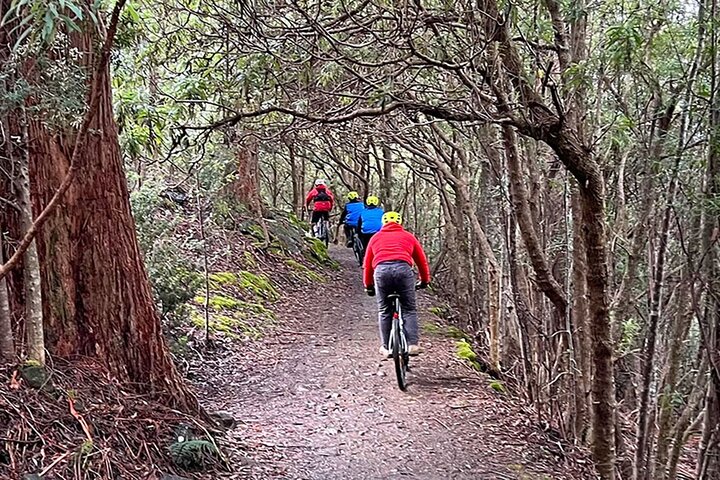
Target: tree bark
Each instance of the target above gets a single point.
(582, 338)
(98, 301)
(521, 208)
(34, 331)
(7, 346)
(641, 460)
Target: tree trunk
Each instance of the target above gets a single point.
(582, 339)
(677, 334)
(247, 183)
(296, 173)
(98, 302)
(641, 461)
(7, 347)
(521, 208)
(34, 332)
(386, 178)
(709, 457)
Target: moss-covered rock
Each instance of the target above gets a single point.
(36, 376)
(303, 272)
(219, 302)
(259, 285)
(465, 352)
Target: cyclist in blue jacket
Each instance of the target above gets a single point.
(351, 215)
(370, 221)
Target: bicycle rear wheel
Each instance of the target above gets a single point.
(358, 250)
(325, 232)
(399, 355)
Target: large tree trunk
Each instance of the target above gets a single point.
(98, 302)
(247, 183)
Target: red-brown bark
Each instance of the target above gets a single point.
(97, 298)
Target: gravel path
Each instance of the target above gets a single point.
(314, 401)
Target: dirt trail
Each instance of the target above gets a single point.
(316, 402)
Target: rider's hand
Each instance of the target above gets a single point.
(421, 285)
(370, 290)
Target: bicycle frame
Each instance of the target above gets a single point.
(400, 352)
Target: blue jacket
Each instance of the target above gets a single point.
(371, 219)
(352, 213)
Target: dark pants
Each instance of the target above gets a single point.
(316, 216)
(365, 239)
(396, 277)
(349, 229)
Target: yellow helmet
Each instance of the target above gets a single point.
(391, 217)
(352, 195)
(373, 200)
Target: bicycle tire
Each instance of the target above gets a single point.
(357, 250)
(326, 234)
(399, 356)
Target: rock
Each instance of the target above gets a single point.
(36, 376)
(224, 419)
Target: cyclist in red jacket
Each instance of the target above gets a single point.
(388, 269)
(322, 199)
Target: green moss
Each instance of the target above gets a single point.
(250, 259)
(318, 253)
(431, 328)
(454, 332)
(258, 285)
(465, 352)
(223, 278)
(305, 272)
(297, 223)
(218, 302)
(234, 325)
(440, 311)
(498, 386)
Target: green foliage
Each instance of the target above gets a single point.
(623, 41)
(194, 454)
(40, 21)
(630, 331)
(174, 278)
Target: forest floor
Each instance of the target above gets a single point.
(313, 400)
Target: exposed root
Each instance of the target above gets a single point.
(84, 425)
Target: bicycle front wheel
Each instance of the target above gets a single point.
(399, 355)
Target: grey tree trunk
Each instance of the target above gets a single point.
(7, 347)
(35, 336)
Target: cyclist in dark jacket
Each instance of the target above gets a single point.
(351, 215)
(370, 221)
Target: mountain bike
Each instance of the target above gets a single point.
(322, 231)
(398, 343)
(357, 247)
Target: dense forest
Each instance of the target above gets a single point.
(558, 160)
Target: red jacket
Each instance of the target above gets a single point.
(393, 243)
(320, 205)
